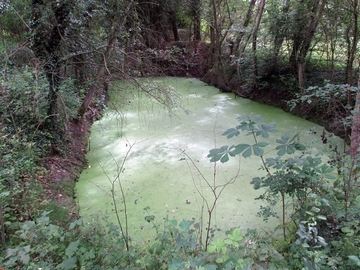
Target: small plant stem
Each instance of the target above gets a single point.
(261, 156)
(2, 223)
(201, 224)
(123, 197)
(281, 192)
(348, 185)
(283, 214)
(214, 190)
(124, 229)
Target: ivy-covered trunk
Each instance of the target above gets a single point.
(46, 41)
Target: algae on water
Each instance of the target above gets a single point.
(161, 118)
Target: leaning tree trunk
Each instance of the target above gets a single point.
(102, 67)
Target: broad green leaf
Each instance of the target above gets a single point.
(235, 235)
(250, 118)
(315, 209)
(4, 194)
(69, 263)
(246, 126)
(219, 260)
(231, 132)
(299, 146)
(285, 145)
(282, 150)
(238, 149)
(247, 152)
(24, 258)
(173, 222)
(348, 231)
(225, 158)
(283, 140)
(211, 249)
(262, 144)
(71, 249)
(75, 223)
(327, 171)
(325, 202)
(355, 259)
(257, 148)
(263, 130)
(218, 245)
(184, 225)
(217, 153)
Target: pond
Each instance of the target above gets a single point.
(159, 156)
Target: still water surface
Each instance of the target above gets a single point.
(157, 178)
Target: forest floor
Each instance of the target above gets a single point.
(67, 166)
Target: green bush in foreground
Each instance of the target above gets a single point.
(41, 244)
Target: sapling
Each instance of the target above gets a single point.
(286, 174)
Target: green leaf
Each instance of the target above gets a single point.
(184, 225)
(257, 148)
(263, 130)
(250, 118)
(149, 218)
(247, 152)
(282, 150)
(69, 263)
(75, 223)
(71, 249)
(219, 260)
(211, 249)
(315, 209)
(217, 246)
(355, 259)
(348, 231)
(225, 158)
(217, 153)
(235, 237)
(285, 145)
(231, 132)
(238, 149)
(256, 182)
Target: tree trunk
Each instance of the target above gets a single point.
(245, 25)
(215, 36)
(254, 43)
(94, 88)
(309, 34)
(174, 28)
(279, 37)
(355, 131)
(196, 9)
(47, 47)
(351, 40)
